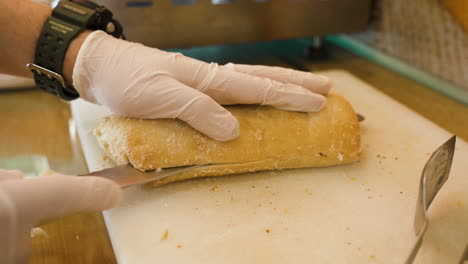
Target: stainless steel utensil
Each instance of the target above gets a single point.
(360, 117)
(126, 175)
(464, 257)
(434, 175)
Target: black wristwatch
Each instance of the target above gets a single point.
(67, 21)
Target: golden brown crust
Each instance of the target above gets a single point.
(269, 139)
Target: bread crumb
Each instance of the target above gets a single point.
(353, 178)
(372, 257)
(214, 188)
(340, 156)
(179, 246)
(267, 230)
(378, 156)
(396, 158)
(165, 235)
(370, 197)
(253, 186)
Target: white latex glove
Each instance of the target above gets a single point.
(138, 81)
(26, 203)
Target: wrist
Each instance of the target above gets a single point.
(72, 54)
(60, 44)
(83, 70)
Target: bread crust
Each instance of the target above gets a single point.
(270, 139)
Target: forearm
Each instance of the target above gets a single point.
(21, 23)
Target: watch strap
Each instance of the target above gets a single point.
(51, 49)
(67, 21)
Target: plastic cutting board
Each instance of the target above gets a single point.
(359, 213)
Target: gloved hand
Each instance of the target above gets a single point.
(26, 203)
(138, 81)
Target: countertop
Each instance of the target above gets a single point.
(37, 131)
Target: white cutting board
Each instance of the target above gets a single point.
(359, 213)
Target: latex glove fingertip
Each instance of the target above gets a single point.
(231, 130)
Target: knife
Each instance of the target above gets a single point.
(126, 175)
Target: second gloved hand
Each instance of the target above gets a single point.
(142, 82)
(26, 203)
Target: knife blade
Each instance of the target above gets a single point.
(126, 175)
(464, 258)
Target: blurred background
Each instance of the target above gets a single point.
(429, 36)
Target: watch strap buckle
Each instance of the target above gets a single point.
(34, 68)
